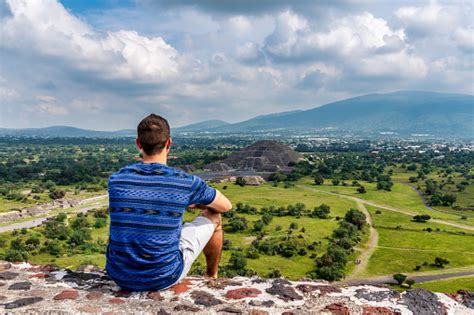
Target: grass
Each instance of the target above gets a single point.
(402, 197)
(401, 250)
(451, 285)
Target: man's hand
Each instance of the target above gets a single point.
(194, 206)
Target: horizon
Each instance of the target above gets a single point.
(103, 65)
(227, 122)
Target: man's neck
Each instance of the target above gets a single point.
(159, 158)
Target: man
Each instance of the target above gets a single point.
(149, 247)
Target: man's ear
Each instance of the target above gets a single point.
(168, 144)
(139, 145)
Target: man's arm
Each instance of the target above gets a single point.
(220, 204)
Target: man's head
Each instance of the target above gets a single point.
(153, 135)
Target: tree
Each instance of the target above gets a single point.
(361, 190)
(330, 273)
(322, 211)
(318, 179)
(400, 278)
(237, 261)
(355, 217)
(421, 218)
(335, 182)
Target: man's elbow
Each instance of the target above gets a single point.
(228, 206)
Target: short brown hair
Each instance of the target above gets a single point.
(153, 133)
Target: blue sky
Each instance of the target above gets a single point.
(105, 64)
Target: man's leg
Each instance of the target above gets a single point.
(213, 249)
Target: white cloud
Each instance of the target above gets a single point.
(48, 29)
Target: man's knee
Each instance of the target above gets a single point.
(214, 217)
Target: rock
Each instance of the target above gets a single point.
(123, 293)
(89, 309)
(42, 268)
(421, 301)
(186, 308)
(268, 303)
(205, 298)
(36, 292)
(222, 283)
(181, 287)
(258, 312)
(259, 280)
(337, 309)
(467, 298)
(8, 275)
(40, 275)
(5, 265)
(25, 285)
(80, 278)
(378, 310)
(116, 300)
(284, 292)
(377, 296)
(94, 295)
(67, 295)
(155, 295)
(242, 293)
(323, 289)
(23, 302)
(162, 312)
(230, 310)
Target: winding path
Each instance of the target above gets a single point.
(371, 246)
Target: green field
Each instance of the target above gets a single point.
(398, 249)
(451, 285)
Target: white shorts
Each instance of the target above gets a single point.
(194, 237)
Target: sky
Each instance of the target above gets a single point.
(106, 64)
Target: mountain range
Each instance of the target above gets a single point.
(403, 112)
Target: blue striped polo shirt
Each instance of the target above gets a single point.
(147, 202)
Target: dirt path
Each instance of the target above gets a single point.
(371, 246)
(466, 227)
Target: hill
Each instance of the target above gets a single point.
(64, 131)
(203, 125)
(404, 112)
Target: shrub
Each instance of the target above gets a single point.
(440, 262)
(53, 247)
(400, 278)
(100, 223)
(355, 217)
(361, 190)
(274, 273)
(421, 218)
(410, 282)
(322, 211)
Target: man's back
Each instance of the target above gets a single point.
(147, 202)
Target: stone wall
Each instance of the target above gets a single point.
(63, 203)
(39, 289)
